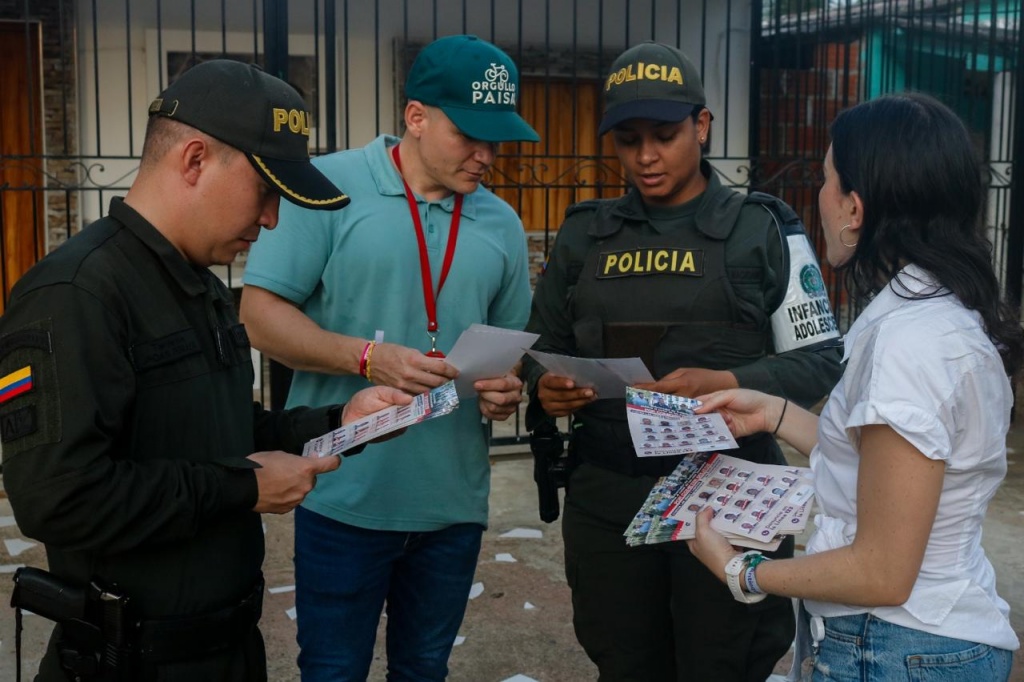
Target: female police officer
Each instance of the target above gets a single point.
(692, 277)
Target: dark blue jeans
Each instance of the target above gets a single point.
(344, 577)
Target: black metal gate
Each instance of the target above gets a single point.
(80, 73)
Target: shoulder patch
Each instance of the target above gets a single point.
(29, 392)
(18, 424)
(25, 338)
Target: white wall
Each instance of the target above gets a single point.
(365, 54)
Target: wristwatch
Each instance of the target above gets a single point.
(733, 572)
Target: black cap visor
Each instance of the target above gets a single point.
(300, 183)
(650, 109)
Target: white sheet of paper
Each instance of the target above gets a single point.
(522, 533)
(485, 352)
(609, 377)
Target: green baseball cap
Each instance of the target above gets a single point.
(260, 115)
(652, 81)
(475, 84)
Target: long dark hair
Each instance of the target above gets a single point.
(911, 161)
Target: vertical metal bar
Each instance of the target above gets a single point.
(754, 95)
(128, 59)
(376, 64)
(728, 71)
(315, 104)
(64, 73)
(223, 28)
(275, 37)
(1015, 235)
(679, 23)
(192, 26)
(348, 119)
(255, 33)
(96, 75)
(331, 73)
(275, 53)
(160, 46)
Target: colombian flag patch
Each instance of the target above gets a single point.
(16, 383)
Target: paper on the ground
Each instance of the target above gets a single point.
(476, 590)
(522, 533)
(485, 352)
(505, 557)
(609, 377)
(438, 402)
(16, 546)
(282, 588)
(661, 424)
(519, 678)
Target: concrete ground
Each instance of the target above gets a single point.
(519, 625)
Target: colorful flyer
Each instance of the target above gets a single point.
(437, 403)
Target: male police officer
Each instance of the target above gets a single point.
(132, 447)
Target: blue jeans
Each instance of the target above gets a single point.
(864, 648)
(344, 576)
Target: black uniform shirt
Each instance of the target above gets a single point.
(707, 306)
(126, 433)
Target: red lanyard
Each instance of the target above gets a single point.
(429, 297)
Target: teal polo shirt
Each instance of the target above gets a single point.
(357, 270)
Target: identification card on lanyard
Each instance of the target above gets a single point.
(429, 296)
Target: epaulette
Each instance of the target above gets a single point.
(780, 208)
(585, 205)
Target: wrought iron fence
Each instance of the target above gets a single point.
(76, 77)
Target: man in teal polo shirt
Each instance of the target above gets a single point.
(375, 297)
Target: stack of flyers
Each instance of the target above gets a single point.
(754, 505)
(661, 424)
(438, 402)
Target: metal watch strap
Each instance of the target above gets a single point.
(733, 574)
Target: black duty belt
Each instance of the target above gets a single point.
(169, 639)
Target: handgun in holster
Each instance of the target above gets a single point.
(552, 465)
(94, 643)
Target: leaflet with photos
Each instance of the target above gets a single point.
(754, 505)
(436, 403)
(662, 424)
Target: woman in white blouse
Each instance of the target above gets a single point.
(911, 445)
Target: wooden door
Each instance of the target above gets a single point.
(21, 148)
(569, 164)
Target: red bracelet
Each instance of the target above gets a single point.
(364, 360)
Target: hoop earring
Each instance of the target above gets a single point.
(849, 246)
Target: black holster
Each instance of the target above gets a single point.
(552, 466)
(102, 641)
(94, 643)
